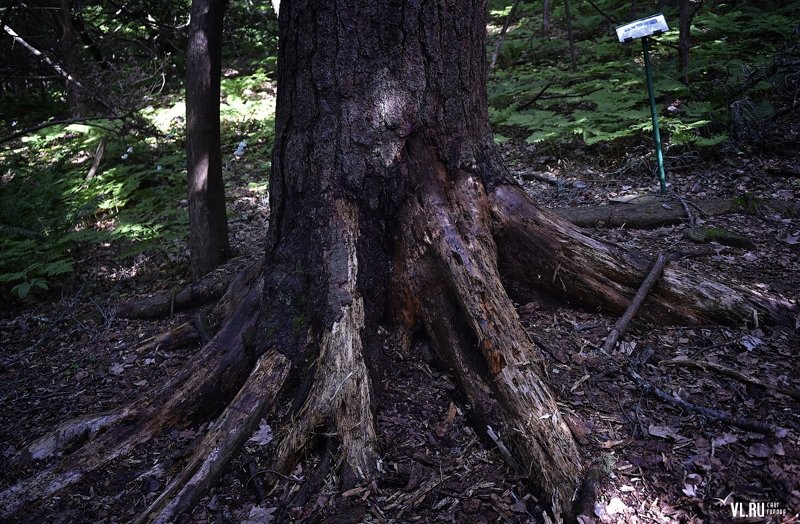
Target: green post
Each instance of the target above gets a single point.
(648, 70)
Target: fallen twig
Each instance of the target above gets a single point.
(713, 366)
(720, 416)
(533, 100)
(622, 325)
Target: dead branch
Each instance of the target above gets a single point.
(713, 414)
(67, 121)
(41, 56)
(98, 157)
(622, 325)
(533, 100)
(663, 213)
(502, 36)
(714, 366)
(540, 177)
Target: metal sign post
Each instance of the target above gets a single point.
(644, 28)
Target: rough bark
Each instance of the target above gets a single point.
(391, 213)
(684, 42)
(208, 224)
(76, 98)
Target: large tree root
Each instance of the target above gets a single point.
(537, 250)
(341, 388)
(227, 434)
(456, 227)
(212, 287)
(666, 211)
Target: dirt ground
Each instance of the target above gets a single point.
(69, 354)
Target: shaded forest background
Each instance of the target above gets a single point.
(735, 95)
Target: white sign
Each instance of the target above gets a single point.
(652, 25)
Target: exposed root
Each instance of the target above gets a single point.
(451, 234)
(341, 387)
(539, 250)
(70, 434)
(197, 391)
(222, 440)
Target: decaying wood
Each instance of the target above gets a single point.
(538, 250)
(341, 389)
(462, 302)
(401, 217)
(665, 212)
(226, 435)
(198, 390)
(706, 365)
(622, 324)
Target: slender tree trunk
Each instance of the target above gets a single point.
(76, 99)
(546, 18)
(570, 36)
(684, 43)
(208, 225)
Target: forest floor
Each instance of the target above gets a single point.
(67, 356)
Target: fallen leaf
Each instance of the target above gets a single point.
(793, 238)
(724, 440)
(750, 342)
(263, 435)
(760, 450)
(665, 432)
(116, 369)
(615, 506)
(259, 515)
(689, 490)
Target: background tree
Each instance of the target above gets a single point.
(208, 225)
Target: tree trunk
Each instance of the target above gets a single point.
(391, 213)
(546, 18)
(76, 99)
(208, 224)
(570, 35)
(684, 44)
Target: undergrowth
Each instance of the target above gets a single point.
(534, 95)
(48, 207)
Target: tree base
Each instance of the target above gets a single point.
(452, 243)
